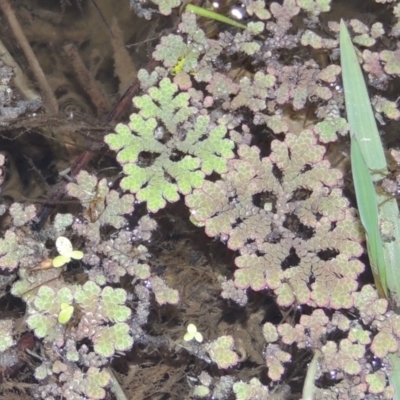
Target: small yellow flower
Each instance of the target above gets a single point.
(192, 333)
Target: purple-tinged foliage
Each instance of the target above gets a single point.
(387, 339)
(297, 84)
(221, 87)
(119, 257)
(270, 333)
(377, 383)
(388, 108)
(230, 291)
(366, 36)
(220, 351)
(275, 359)
(165, 6)
(395, 31)
(391, 61)
(250, 390)
(162, 292)
(310, 38)
(257, 7)
(372, 65)
(11, 251)
(102, 206)
(102, 321)
(369, 305)
(253, 92)
(310, 332)
(303, 195)
(21, 214)
(75, 384)
(329, 129)
(274, 122)
(330, 73)
(284, 12)
(314, 7)
(111, 339)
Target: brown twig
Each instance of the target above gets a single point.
(126, 99)
(86, 80)
(124, 67)
(50, 102)
(20, 80)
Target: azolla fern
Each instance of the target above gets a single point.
(159, 168)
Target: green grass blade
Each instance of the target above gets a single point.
(364, 130)
(203, 12)
(367, 155)
(309, 382)
(359, 110)
(367, 149)
(367, 203)
(364, 188)
(395, 375)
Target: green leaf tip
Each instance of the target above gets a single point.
(202, 12)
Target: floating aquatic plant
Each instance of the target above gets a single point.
(237, 126)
